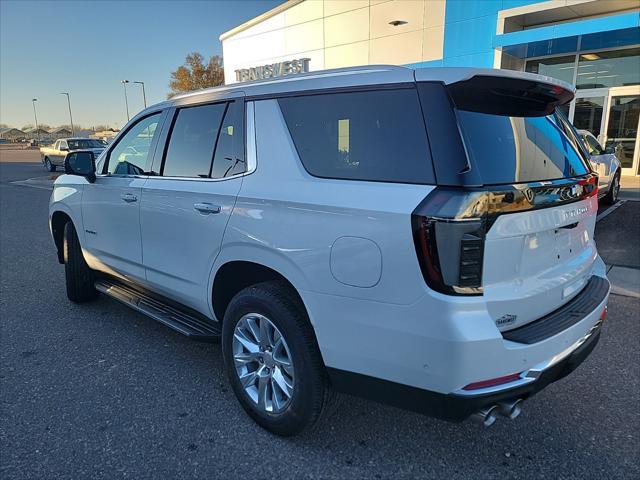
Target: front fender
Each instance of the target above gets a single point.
(66, 197)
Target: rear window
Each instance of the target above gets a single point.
(509, 149)
(371, 136)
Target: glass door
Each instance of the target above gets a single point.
(621, 133)
(588, 111)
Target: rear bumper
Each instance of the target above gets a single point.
(457, 407)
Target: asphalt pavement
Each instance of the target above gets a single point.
(99, 391)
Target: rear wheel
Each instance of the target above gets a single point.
(48, 165)
(272, 359)
(79, 277)
(614, 189)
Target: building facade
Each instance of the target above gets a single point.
(594, 44)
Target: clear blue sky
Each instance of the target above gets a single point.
(87, 47)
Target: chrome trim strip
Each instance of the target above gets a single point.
(252, 153)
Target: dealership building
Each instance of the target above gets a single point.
(594, 44)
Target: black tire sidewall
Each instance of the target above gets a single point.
(309, 385)
(78, 276)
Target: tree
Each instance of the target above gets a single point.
(194, 74)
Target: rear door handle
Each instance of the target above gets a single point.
(129, 197)
(207, 208)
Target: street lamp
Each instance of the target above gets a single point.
(70, 116)
(33, 102)
(144, 96)
(126, 101)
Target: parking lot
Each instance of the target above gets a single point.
(99, 391)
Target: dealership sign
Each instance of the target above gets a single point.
(278, 69)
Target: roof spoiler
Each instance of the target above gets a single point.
(503, 92)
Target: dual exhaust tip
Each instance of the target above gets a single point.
(488, 415)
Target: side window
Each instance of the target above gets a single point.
(229, 158)
(594, 146)
(63, 144)
(190, 149)
(375, 136)
(130, 155)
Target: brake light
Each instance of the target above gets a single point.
(450, 250)
(493, 382)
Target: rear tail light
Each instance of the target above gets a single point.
(448, 230)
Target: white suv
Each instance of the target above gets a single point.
(422, 238)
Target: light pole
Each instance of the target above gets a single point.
(144, 96)
(126, 101)
(70, 116)
(33, 102)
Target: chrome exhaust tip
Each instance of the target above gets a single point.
(510, 409)
(486, 417)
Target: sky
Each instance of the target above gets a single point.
(87, 47)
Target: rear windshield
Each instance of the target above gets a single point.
(89, 143)
(372, 136)
(518, 149)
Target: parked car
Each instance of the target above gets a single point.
(422, 238)
(53, 156)
(606, 164)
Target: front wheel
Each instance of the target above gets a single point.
(272, 359)
(614, 189)
(78, 275)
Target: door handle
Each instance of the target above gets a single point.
(206, 208)
(129, 197)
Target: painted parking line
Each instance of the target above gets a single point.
(610, 210)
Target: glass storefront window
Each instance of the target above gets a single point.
(557, 67)
(622, 131)
(614, 68)
(588, 114)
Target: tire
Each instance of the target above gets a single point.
(79, 277)
(48, 165)
(310, 392)
(612, 195)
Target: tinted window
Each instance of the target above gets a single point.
(130, 155)
(193, 139)
(519, 149)
(88, 143)
(593, 145)
(229, 157)
(377, 136)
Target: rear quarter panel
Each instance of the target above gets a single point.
(287, 219)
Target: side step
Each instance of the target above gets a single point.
(191, 324)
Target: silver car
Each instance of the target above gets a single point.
(606, 165)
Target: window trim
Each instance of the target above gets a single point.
(248, 145)
(107, 156)
(172, 124)
(358, 89)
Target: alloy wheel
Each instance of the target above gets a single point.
(263, 363)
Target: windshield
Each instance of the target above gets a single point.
(85, 143)
(508, 149)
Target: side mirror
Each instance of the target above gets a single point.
(64, 149)
(82, 164)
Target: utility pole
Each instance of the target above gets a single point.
(70, 116)
(33, 102)
(144, 96)
(126, 101)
